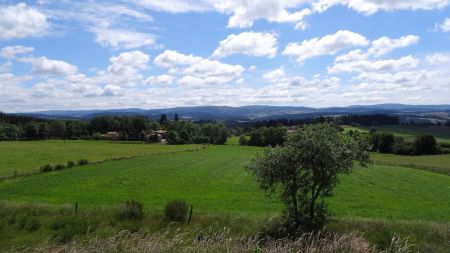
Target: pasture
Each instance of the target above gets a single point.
(442, 134)
(435, 163)
(28, 156)
(215, 182)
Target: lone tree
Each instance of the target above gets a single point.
(305, 171)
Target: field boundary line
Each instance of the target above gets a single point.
(439, 170)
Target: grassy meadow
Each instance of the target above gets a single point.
(28, 156)
(435, 163)
(215, 182)
(386, 199)
(442, 134)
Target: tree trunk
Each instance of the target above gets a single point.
(314, 195)
(294, 197)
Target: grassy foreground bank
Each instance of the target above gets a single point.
(43, 229)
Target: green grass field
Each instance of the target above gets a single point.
(436, 163)
(28, 156)
(215, 182)
(442, 134)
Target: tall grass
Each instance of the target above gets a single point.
(99, 230)
(204, 240)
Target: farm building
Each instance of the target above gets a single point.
(292, 129)
(155, 136)
(112, 136)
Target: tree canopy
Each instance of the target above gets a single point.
(306, 170)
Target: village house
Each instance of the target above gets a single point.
(112, 136)
(155, 136)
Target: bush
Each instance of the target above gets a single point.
(67, 228)
(176, 211)
(205, 140)
(425, 144)
(70, 164)
(97, 136)
(32, 225)
(198, 139)
(243, 140)
(386, 143)
(131, 210)
(59, 167)
(83, 162)
(273, 228)
(46, 168)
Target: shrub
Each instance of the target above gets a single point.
(97, 136)
(83, 162)
(176, 211)
(32, 225)
(131, 210)
(243, 140)
(386, 143)
(70, 164)
(59, 167)
(172, 138)
(403, 149)
(205, 139)
(425, 144)
(198, 139)
(67, 228)
(273, 228)
(46, 168)
(22, 222)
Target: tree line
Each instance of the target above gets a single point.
(264, 136)
(423, 144)
(186, 132)
(20, 127)
(367, 119)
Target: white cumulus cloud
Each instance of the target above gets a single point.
(372, 6)
(438, 58)
(128, 62)
(20, 21)
(118, 38)
(366, 65)
(385, 45)
(444, 26)
(248, 43)
(245, 12)
(45, 66)
(175, 6)
(10, 52)
(112, 90)
(161, 79)
(195, 71)
(327, 45)
(171, 58)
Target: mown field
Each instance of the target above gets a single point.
(27, 156)
(442, 134)
(435, 163)
(215, 182)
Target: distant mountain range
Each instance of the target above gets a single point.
(251, 112)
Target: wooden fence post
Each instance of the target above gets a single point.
(190, 215)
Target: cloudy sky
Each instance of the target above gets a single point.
(165, 53)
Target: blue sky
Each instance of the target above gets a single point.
(154, 54)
